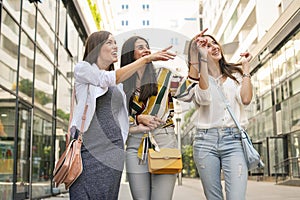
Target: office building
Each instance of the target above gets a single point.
(39, 43)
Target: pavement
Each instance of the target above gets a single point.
(191, 189)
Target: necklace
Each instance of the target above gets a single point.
(218, 79)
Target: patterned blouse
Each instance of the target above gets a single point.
(160, 105)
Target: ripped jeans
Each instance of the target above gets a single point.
(216, 149)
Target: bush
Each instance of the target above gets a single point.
(189, 167)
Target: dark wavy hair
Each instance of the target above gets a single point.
(226, 68)
(148, 81)
(93, 46)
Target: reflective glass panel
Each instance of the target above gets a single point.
(72, 38)
(26, 68)
(9, 51)
(48, 8)
(7, 133)
(295, 112)
(41, 152)
(43, 88)
(45, 37)
(62, 23)
(64, 62)
(13, 7)
(63, 98)
(23, 152)
(28, 18)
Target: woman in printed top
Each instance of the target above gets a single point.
(217, 142)
(99, 86)
(150, 107)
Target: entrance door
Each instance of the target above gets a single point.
(22, 147)
(277, 155)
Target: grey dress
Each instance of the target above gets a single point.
(102, 152)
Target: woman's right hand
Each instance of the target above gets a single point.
(194, 51)
(201, 43)
(163, 55)
(150, 121)
(196, 47)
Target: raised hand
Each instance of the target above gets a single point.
(246, 57)
(197, 50)
(202, 44)
(163, 55)
(200, 34)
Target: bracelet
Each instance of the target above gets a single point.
(136, 119)
(246, 75)
(194, 79)
(203, 60)
(196, 63)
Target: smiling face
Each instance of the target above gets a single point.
(213, 49)
(141, 48)
(108, 53)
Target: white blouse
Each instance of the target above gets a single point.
(99, 81)
(210, 107)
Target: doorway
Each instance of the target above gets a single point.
(21, 183)
(277, 155)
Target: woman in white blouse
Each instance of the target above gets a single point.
(99, 86)
(217, 143)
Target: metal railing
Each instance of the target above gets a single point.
(289, 167)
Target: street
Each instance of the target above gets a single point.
(191, 189)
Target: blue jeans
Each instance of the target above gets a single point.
(216, 149)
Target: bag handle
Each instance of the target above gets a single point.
(83, 118)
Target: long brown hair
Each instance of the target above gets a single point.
(226, 68)
(93, 45)
(148, 81)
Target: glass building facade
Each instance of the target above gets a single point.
(39, 44)
(274, 114)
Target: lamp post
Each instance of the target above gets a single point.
(178, 111)
(179, 146)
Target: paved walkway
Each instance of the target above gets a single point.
(191, 189)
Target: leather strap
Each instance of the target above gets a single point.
(68, 136)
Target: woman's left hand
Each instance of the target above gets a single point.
(246, 57)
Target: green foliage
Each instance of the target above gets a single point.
(47, 150)
(26, 86)
(61, 114)
(189, 167)
(95, 13)
(42, 97)
(187, 117)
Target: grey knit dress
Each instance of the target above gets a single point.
(102, 152)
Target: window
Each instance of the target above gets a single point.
(174, 41)
(124, 22)
(146, 22)
(125, 7)
(145, 7)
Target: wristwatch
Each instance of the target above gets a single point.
(246, 75)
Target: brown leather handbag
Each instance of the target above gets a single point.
(69, 166)
(165, 161)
